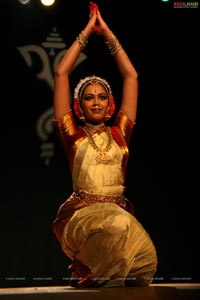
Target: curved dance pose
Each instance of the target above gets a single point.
(96, 226)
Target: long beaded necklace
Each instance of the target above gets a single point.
(102, 154)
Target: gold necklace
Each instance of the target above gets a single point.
(102, 154)
(95, 128)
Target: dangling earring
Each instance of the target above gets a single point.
(78, 111)
(82, 118)
(111, 108)
(107, 114)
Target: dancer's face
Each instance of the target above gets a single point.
(95, 103)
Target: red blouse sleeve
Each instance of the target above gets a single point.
(125, 124)
(69, 134)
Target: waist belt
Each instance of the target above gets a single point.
(90, 199)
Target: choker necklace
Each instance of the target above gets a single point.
(102, 154)
(95, 128)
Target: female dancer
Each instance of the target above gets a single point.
(95, 226)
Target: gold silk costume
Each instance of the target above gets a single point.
(95, 225)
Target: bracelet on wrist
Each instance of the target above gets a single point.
(113, 44)
(82, 40)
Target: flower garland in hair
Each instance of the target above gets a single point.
(88, 79)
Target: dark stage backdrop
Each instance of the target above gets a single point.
(162, 179)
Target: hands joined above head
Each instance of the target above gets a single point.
(95, 19)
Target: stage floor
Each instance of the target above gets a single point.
(153, 292)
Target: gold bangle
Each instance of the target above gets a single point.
(82, 40)
(113, 44)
